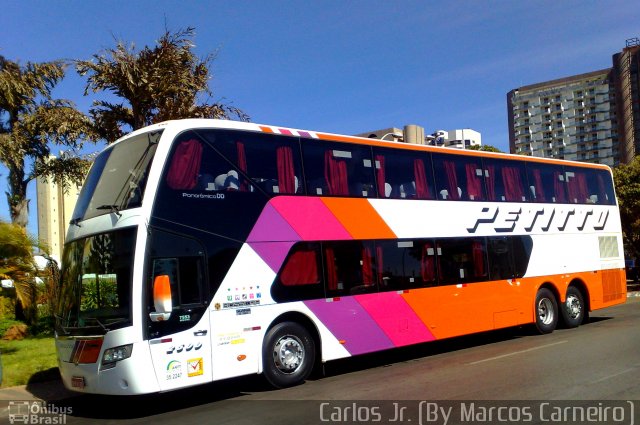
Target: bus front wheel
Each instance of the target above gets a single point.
(546, 310)
(288, 355)
(573, 309)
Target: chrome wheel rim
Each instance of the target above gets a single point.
(574, 307)
(288, 354)
(545, 311)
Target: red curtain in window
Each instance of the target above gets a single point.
(286, 172)
(332, 273)
(422, 188)
(512, 184)
(452, 179)
(335, 173)
(380, 176)
(185, 165)
(474, 184)
(558, 187)
(379, 261)
(301, 269)
(537, 181)
(427, 265)
(367, 267)
(577, 186)
(602, 193)
(491, 183)
(242, 165)
(478, 259)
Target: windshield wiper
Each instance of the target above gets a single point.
(112, 208)
(75, 221)
(98, 322)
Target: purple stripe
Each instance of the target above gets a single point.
(349, 322)
(271, 227)
(304, 134)
(272, 253)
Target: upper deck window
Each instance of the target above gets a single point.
(338, 169)
(216, 161)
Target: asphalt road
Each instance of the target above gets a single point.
(598, 361)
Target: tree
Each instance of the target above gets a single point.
(484, 148)
(627, 183)
(17, 263)
(30, 122)
(156, 84)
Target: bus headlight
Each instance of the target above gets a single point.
(115, 354)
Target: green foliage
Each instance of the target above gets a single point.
(7, 306)
(484, 148)
(156, 84)
(27, 361)
(6, 324)
(627, 182)
(30, 123)
(17, 263)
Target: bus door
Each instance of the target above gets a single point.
(178, 315)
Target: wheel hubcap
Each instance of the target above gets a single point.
(574, 308)
(288, 354)
(545, 311)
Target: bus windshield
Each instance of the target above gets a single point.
(95, 287)
(117, 178)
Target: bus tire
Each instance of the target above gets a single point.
(573, 309)
(546, 311)
(288, 355)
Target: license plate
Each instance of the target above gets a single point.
(78, 382)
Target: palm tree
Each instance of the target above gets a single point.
(30, 122)
(156, 84)
(17, 263)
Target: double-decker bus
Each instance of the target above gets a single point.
(202, 250)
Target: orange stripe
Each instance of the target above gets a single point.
(359, 218)
(266, 129)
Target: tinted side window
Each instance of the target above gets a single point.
(403, 175)
(458, 177)
(501, 259)
(506, 180)
(350, 267)
(589, 186)
(338, 169)
(406, 264)
(182, 259)
(546, 183)
(462, 260)
(271, 162)
(300, 277)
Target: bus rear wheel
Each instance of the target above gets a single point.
(288, 355)
(546, 310)
(573, 309)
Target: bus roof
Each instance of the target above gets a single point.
(191, 123)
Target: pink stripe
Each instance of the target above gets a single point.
(285, 131)
(396, 318)
(310, 218)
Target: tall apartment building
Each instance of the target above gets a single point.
(54, 213)
(591, 117)
(569, 118)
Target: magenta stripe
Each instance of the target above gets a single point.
(272, 227)
(396, 318)
(349, 322)
(310, 218)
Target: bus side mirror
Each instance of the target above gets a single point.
(161, 299)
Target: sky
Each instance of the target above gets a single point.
(339, 66)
